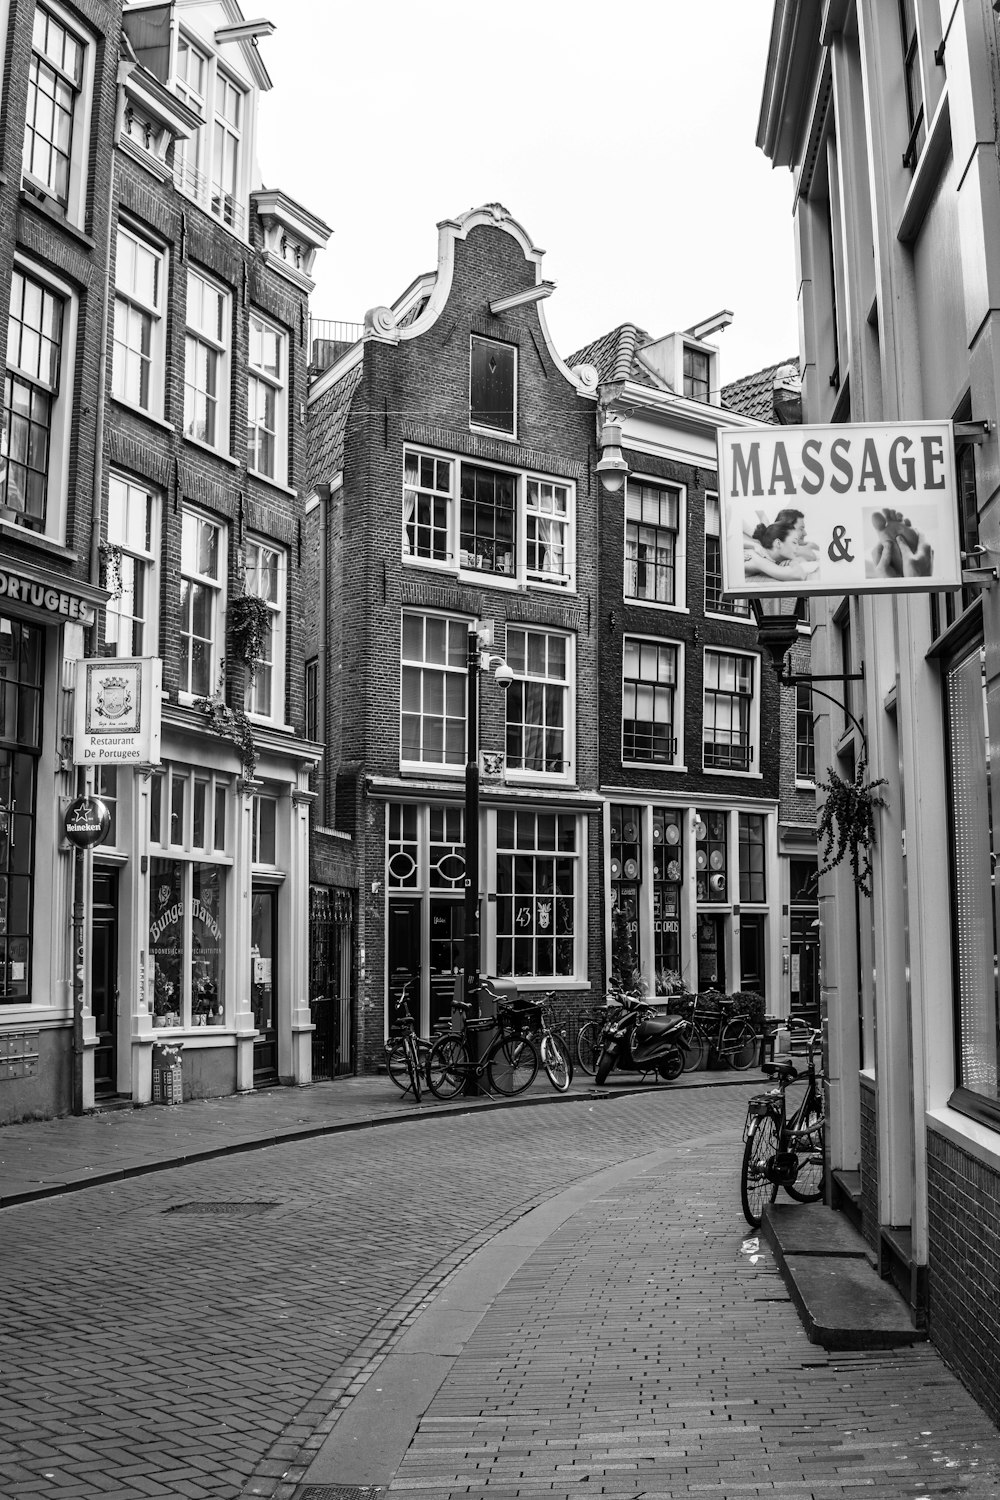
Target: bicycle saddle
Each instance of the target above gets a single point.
(784, 1069)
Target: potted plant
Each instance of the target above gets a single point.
(846, 825)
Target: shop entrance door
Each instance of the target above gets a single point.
(104, 981)
(404, 957)
(263, 984)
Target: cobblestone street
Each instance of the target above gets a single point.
(197, 1332)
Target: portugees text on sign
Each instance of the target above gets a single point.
(853, 508)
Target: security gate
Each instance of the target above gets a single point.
(331, 944)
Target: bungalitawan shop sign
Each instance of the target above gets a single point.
(845, 509)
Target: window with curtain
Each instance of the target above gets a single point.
(427, 506)
(130, 623)
(651, 527)
(649, 687)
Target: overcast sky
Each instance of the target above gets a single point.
(621, 137)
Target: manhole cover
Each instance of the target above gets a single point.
(338, 1492)
(221, 1208)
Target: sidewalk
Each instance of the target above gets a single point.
(42, 1158)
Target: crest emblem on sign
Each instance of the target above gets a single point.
(114, 698)
(544, 914)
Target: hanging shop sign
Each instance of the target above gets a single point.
(853, 508)
(87, 822)
(117, 711)
(20, 587)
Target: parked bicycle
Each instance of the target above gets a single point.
(711, 1033)
(552, 1046)
(406, 1053)
(509, 1064)
(785, 1149)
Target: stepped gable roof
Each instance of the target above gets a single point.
(753, 395)
(615, 356)
(328, 457)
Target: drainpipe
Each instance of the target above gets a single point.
(323, 491)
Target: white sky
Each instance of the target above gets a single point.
(620, 136)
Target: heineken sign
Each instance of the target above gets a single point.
(87, 822)
(117, 711)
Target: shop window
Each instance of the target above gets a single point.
(130, 622)
(668, 873)
(537, 884)
(434, 669)
(189, 872)
(265, 822)
(206, 363)
(493, 385)
(626, 872)
(446, 849)
(21, 680)
(264, 574)
(711, 831)
(267, 400)
(403, 861)
(139, 335)
(649, 702)
(753, 888)
(538, 703)
(973, 868)
(753, 953)
(202, 601)
(729, 712)
(652, 523)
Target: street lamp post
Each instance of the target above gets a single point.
(479, 658)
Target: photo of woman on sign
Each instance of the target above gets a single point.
(779, 549)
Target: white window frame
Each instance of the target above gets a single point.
(454, 694)
(725, 609)
(197, 163)
(490, 920)
(649, 482)
(657, 643)
(565, 684)
(261, 553)
(753, 724)
(261, 379)
(218, 343)
(149, 313)
(75, 207)
(61, 421)
(451, 562)
(216, 588)
(510, 433)
(134, 512)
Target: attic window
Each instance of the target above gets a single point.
(696, 382)
(492, 385)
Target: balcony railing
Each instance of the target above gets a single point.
(212, 197)
(329, 340)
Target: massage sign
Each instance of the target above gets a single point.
(846, 509)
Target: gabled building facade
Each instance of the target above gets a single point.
(886, 117)
(698, 855)
(195, 905)
(453, 489)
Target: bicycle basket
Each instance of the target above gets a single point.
(522, 1015)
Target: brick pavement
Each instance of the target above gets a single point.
(154, 1352)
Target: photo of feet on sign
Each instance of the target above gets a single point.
(902, 545)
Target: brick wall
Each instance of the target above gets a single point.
(964, 1267)
(869, 1166)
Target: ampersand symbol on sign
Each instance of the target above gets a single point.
(837, 550)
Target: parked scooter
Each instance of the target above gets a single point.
(635, 1038)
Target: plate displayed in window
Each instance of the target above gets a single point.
(700, 830)
(673, 871)
(616, 869)
(702, 859)
(630, 833)
(673, 833)
(715, 859)
(631, 869)
(657, 833)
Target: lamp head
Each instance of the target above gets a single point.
(611, 466)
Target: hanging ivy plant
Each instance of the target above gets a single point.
(846, 825)
(112, 554)
(249, 621)
(231, 724)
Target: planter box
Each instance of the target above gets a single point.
(168, 1085)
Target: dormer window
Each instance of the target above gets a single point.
(696, 374)
(493, 386)
(209, 167)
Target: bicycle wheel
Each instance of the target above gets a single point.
(447, 1067)
(412, 1066)
(588, 1048)
(739, 1045)
(808, 1184)
(556, 1061)
(756, 1189)
(512, 1066)
(395, 1060)
(694, 1044)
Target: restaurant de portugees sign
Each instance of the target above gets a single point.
(853, 508)
(117, 711)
